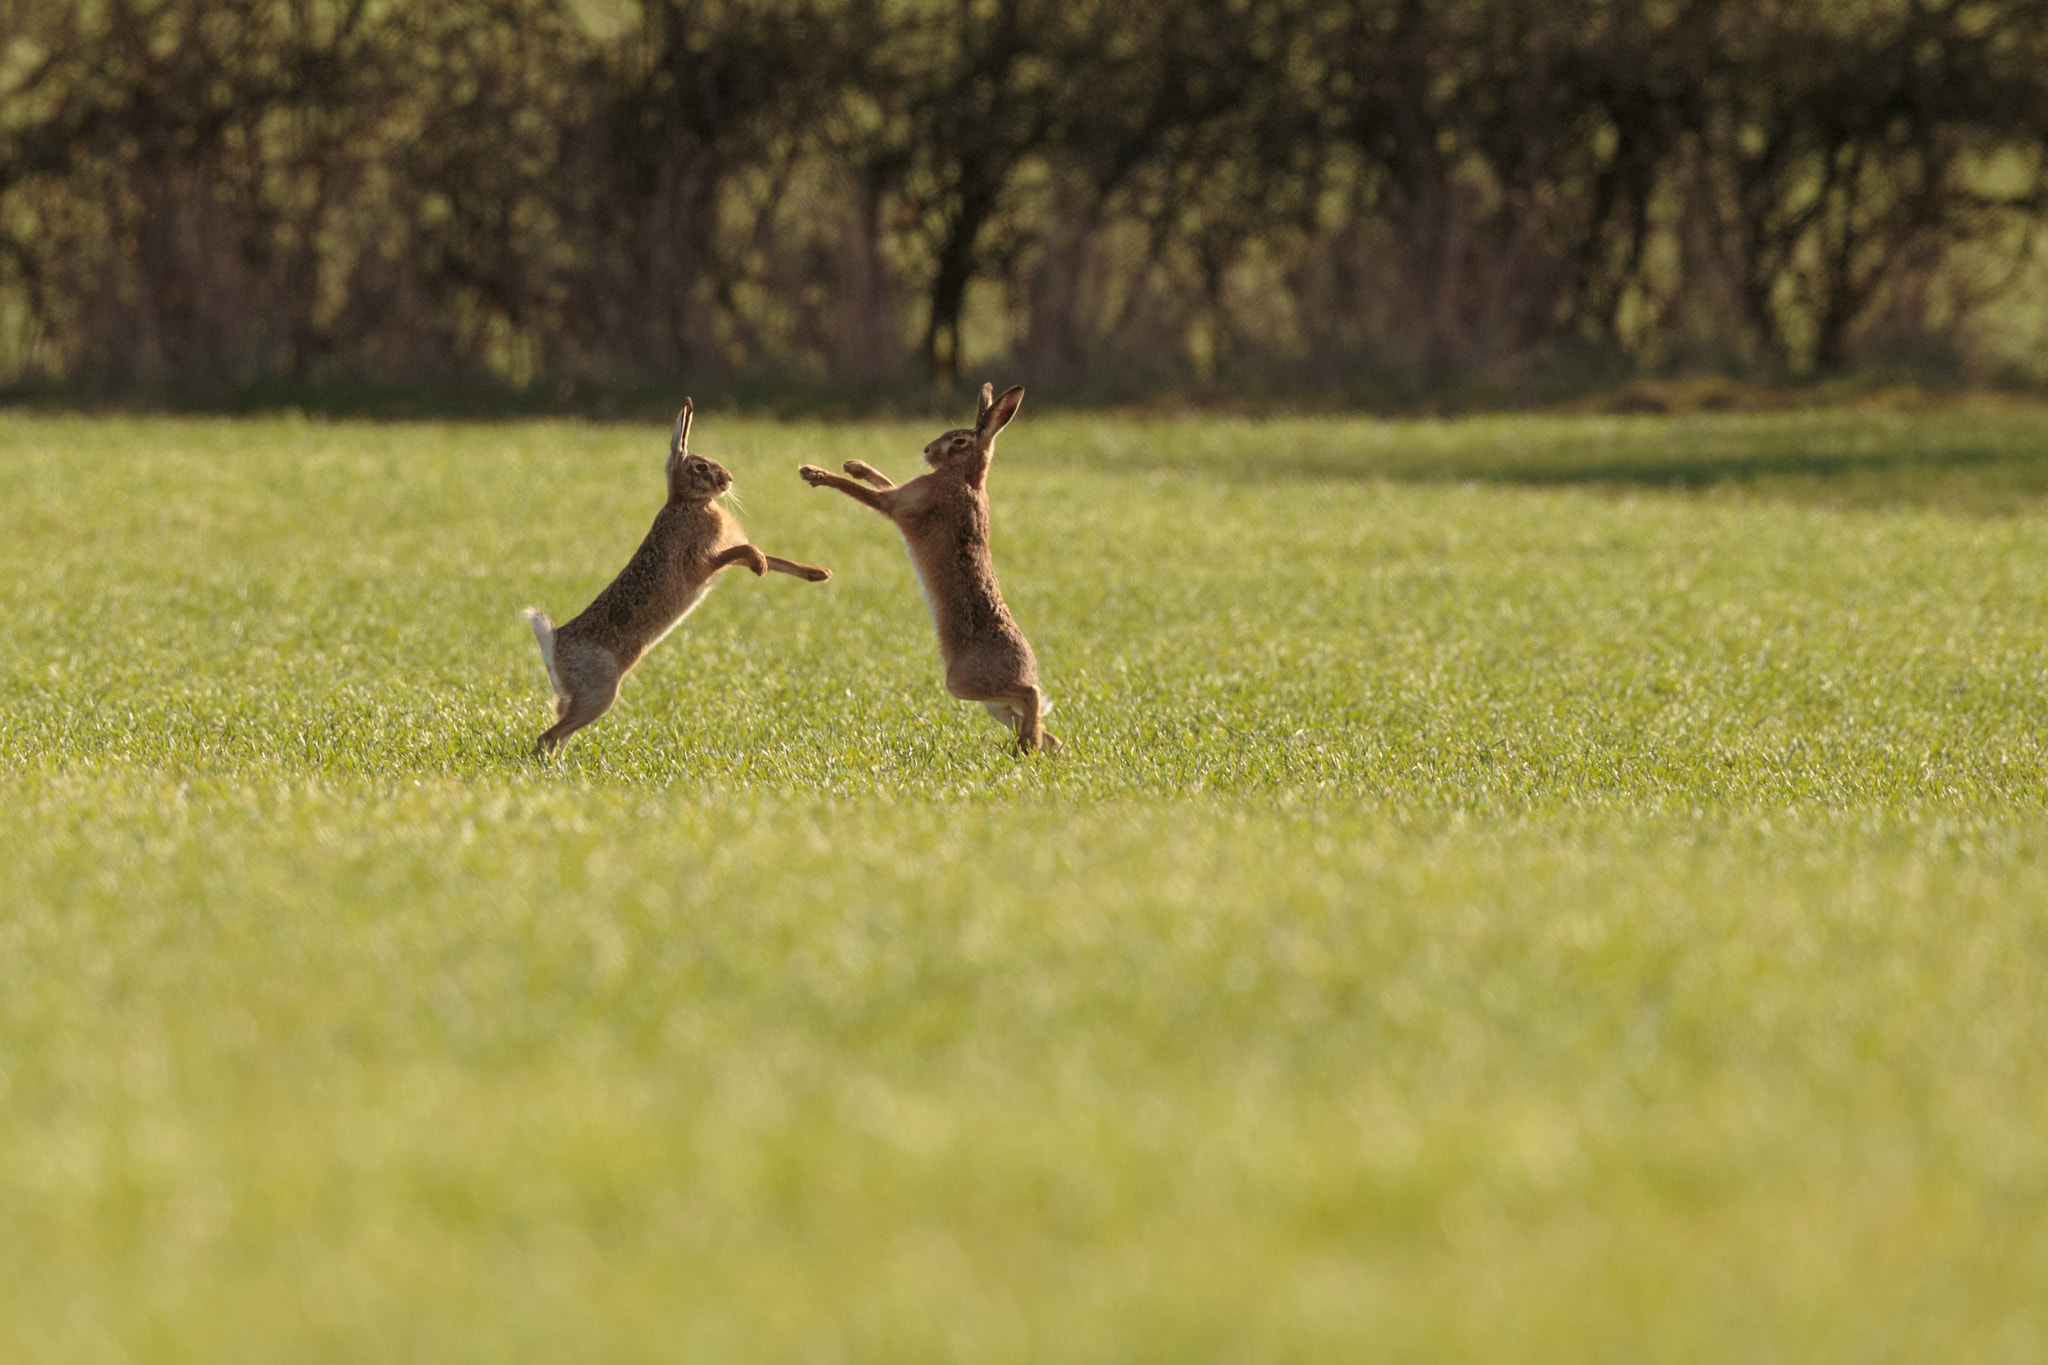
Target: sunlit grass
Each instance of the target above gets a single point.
(1531, 889)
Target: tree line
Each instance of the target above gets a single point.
(1308, 193)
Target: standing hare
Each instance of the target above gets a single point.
(691, 540)
(943, 516)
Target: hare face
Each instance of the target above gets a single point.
(700, 478)
(954, 449)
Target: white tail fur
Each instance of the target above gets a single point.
(544, 632)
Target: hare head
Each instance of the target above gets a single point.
(691, 477)
(968, 450)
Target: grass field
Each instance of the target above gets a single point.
(1538, 889)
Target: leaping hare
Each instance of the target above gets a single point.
(943, 516)
(691, 540)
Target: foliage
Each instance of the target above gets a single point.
(1299, 193)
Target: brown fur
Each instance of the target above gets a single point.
(691, 540)
(943, 516)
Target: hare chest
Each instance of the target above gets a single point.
(690, 577)
(924, 586)
(692, 596)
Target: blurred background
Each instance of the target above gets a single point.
(568, 203)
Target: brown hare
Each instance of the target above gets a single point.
(943, 516)
(691, 540)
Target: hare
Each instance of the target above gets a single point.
(943, 516)
(691, 540)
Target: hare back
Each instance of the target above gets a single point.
(663, 582)
(628, 625)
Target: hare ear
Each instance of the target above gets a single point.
(680, 440)
(983, 404)
(996, 413)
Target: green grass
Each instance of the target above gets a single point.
(1536, 889)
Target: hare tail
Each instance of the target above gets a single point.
(544, 633)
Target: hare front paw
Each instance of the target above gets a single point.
(812, 475)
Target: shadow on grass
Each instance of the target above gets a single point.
(1697, 473)
(1982, 464)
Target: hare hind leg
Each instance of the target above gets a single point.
(1017, 709)
(590, 677)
